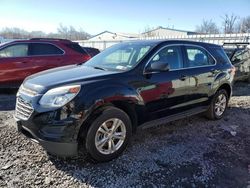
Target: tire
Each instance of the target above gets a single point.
(108, 135)
(212, 112)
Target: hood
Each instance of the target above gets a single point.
(62, 76)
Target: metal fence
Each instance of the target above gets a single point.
(211, 38)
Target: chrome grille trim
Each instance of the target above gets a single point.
(27, 91)
(23, 109)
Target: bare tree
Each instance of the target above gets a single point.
(229, 23)
(69, 32)
(66, 32)
(14, 33)
(208, 27)
(245, 25)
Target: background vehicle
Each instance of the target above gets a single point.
(97, 105)
(91, 51)
(239, 55)
(19, 59)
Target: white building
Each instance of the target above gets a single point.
(164, 32)
(107, 36)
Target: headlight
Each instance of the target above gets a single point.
(59, 96)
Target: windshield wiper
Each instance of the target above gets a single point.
(100, 68)
(80, 63)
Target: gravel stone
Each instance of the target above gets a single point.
(192, 152)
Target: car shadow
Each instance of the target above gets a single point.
(7, 99)
(241, 88)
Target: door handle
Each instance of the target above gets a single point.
(183, 77)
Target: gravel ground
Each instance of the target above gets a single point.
(192, 152)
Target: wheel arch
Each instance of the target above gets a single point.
(122, 105)
(227, 87)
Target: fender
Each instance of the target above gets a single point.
(104, 95)
(222, 78)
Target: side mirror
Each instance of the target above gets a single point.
(158, 66)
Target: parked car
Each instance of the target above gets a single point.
(239, 55)
(96, 106)
(19, 59)
(91, 51)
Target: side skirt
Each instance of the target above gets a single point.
(167, 119)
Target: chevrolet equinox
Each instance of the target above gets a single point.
(96, 106)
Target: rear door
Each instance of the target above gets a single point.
(45, 56)
(201, 70)
(14, 64)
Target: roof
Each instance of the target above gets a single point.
(41, 40)
(166, 28)
(128, 35)
(158, 42)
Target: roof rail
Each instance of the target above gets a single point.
(236, 43)
(58, 39)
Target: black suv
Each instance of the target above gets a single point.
(97, 106)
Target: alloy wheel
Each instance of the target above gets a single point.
(110, 136)
(220, 104)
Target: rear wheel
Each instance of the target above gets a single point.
(218, 105)
(108, 134)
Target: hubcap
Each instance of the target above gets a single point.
(110, 136)
(220, 104)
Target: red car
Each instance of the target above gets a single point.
(19, 59)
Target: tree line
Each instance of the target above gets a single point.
(64, 32)
(230, 23)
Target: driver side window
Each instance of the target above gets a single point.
(171, 56)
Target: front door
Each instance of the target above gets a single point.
(164, 92)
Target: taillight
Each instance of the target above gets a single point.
(86, 57)
(232, 71)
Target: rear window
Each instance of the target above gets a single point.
(76, 47)
(44, 49)
(91, 51)
(197, 57)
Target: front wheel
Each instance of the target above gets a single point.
(108, 135)
(218, 105)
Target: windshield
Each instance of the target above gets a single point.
(123, 56)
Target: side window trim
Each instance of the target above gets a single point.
(163, 47)
(201, 48)
(29, 46)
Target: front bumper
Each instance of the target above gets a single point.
(56, 129)
(63, 149)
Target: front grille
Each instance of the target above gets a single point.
(23, 109)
